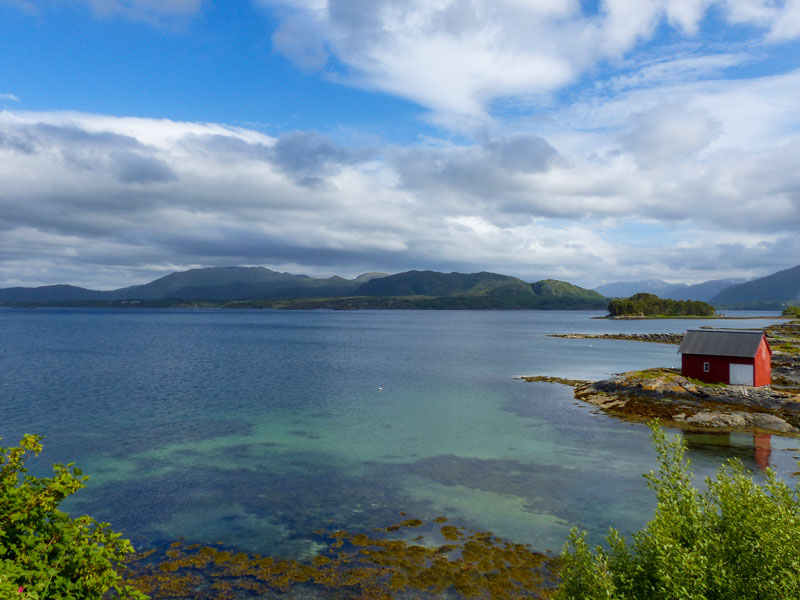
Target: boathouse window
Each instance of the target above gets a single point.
(706, 367)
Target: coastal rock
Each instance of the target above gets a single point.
(738, 420)
(665, 395)
(717, 419)
(771, 423)
(657, 338)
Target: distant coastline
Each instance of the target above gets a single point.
(661, 317)
(257, 287)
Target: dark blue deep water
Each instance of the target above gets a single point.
(255, 428)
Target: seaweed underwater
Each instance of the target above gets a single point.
(450, 561)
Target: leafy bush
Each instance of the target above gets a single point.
(737, 540)
(44, 553)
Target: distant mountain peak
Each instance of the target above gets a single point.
(777, 289)
(675, 291)
(364, 277)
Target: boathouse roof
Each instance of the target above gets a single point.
(721, 342)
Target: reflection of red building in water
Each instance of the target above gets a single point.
(759, 442)
(763, 448)
(732, 357)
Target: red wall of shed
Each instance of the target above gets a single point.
(719, 366)
(763, 373)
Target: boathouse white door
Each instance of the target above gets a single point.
(741, 375)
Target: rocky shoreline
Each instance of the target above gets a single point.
(693, 405)
(658, 338)
(659, 317)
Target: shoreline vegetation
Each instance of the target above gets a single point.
(691, 405)
(499, 300)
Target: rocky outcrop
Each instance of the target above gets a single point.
(786, 372)
(547, 379)
(658, 338)
(689, 404)
(784, 339)
(680, 402)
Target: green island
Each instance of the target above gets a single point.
(651, 306)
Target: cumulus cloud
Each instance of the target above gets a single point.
(499, 172)
(456, 57)
(309, 156)
(667, 133)
(132, 167)
(450, 56)
(682, 182)
(786, 25)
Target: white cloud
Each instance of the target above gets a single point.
(710, 162)
(752, 12)
(456, 57)
(668, 133)
(9, 97)
(786, 26)
(687, 13)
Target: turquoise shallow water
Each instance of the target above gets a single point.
(256, 428)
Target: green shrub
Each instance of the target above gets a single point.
(737, 540)
(44, 553)
(792, 311)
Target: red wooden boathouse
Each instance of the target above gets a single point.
(724, 356)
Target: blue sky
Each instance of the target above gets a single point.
(217, 66)
(585, 141)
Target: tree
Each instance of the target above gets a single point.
(44, 553)
(736, 540)
(792, 311)
(644, 304)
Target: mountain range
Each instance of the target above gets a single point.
(676, 291)
(214, 283)
(258, 286)
(782, 287)
(773, 291)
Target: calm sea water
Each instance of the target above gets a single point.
(255, 428)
